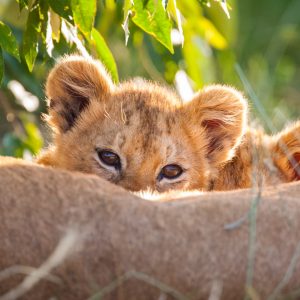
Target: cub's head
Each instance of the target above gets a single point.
(138, 134)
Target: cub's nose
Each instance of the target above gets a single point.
(138, 184)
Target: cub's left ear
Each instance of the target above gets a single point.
(286, 151)
(72, 85)
(220, 113)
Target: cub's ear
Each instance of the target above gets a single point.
(220, 114)
(72, 84)
(286, 151)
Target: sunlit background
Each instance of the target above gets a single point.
(257, 50)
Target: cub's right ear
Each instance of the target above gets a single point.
(221, 113)
(72, 84)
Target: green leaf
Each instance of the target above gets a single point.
(193, 62)
(127, 6)
(33, 140)
(84, 14)
(99, 45)
(223, 3)
(46, 29)
(8, 41)
(1, 66)
(198, 58)
(206, 29)
(153, 19)
(205, 2)
(224, 6)
(175, 13)
(62, 8)
(49, 37)
(127, 13)
(30, 41)
(22, 4)
(55, 25)
(70, 33)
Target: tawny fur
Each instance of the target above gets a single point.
(149, 127)
(181, 244)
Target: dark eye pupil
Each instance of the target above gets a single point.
(109, 158)
(171, 171)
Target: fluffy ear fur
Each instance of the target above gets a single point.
(220, 111)
(286, 151)
(72, 84)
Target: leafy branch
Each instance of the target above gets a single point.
(75, 20)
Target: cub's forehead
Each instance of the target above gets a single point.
(137, 117)
(152, 110)
(143, 95)
(143, 112)
(142, 124)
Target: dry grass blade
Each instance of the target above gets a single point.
(287, 276)
(63, 249)
(26, 270)
(142, 277)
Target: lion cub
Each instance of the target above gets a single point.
(141, 136)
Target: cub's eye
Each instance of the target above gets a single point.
(170, 172)
(109, 158)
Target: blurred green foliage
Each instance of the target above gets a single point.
(256, 50)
